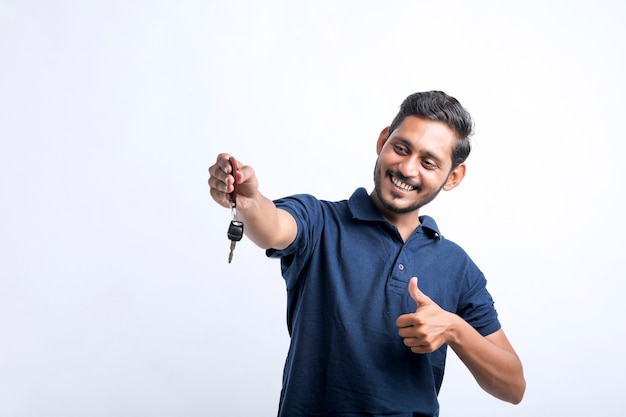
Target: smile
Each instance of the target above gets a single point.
(401, 184)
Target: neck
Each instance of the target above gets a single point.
(406, 223)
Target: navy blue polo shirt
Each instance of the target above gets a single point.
(347, 275)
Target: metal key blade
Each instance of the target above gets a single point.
(235, 233)
(232, 249)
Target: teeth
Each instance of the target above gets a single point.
(401, 185)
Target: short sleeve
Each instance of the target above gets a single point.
(476, 305)
(308, 213)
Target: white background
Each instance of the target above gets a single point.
(116, 298)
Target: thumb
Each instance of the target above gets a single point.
(418, 296)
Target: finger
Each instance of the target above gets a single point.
(221, 198)
(420, 349)
(222, 166)
(219, 181)
(404, 321)
(221, 176)
(416, 294)
(235, 171)
(413, 342)
(417, 345)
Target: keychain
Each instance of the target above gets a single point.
(235, 229)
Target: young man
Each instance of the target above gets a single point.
(368, 338)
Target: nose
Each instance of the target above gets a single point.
(410, 167)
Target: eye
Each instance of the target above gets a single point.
(429, 164)
(401, 150)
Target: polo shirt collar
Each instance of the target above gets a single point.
(363, 208)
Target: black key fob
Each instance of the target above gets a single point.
(235, 230)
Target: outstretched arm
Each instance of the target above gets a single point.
(491, 359)
(265, 225)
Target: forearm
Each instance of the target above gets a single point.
(266, 225)
(491, 360)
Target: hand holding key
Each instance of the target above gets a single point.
(222, 180)
(266, 226)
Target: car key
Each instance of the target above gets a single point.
(235, 229)
(235, 233)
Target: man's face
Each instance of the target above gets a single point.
(414, 163)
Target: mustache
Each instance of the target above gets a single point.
(398, 175)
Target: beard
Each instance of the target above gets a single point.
(390, 205)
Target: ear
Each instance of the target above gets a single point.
(382, 138)
(455, 177)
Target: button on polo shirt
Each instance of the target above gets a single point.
(347, 275)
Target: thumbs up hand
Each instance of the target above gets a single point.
(429, 327)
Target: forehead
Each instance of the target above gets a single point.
(423, 133)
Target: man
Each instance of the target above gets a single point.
(368, 338)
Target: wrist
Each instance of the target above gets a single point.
(455, 329)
